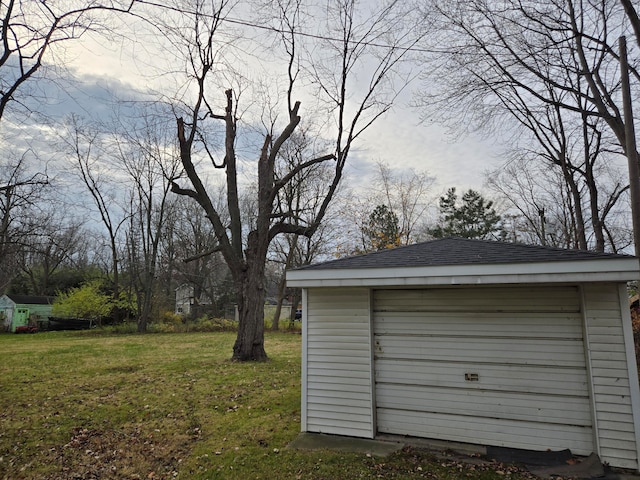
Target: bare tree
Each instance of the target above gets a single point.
(20, 190)
(56, 241)
(403, 191)
(246, 255)
(406, 193)
(148, 156)
(540, 210)
(87, 152)
(187, 258)
(31, 33)
(549, 66)
(303, 195)
(541, 204)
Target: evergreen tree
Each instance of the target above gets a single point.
(475, 217)
(381, 230)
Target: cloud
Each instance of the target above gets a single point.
(400, 140)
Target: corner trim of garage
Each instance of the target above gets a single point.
(632, 366)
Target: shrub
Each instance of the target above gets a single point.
(206, 324)
(164, 328)
(86, 301)
(171, 318)
(120, 328)
(170, 323)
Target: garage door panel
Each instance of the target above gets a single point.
(552, 352)
(490, 405)
(515, 378)
(496, 366)
(480, 324)
(507, 433)
(526, 299)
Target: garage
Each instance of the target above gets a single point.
(479, 342)
(463, 365)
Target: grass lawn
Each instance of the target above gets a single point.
(161, 406)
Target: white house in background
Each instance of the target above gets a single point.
(184, 299)
(474, 341)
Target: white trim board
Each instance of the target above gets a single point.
(608, 270)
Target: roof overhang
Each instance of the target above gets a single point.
(578, 271)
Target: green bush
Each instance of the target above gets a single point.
(206, 324)
(86, 301)
(170, 323)
(291, 326)
(164, 328)
(171, 318)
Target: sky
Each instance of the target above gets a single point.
(102, 69)
(398, 138)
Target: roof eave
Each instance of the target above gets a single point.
(598, 270)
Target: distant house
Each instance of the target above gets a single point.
(184, 299)
(23, 310)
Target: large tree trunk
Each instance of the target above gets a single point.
(145, 308)
(250, 293)
(249, 344)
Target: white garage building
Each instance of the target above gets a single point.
(474, 341)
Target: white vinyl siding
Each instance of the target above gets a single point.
(338, 397)
(612, 390)
(525, 346)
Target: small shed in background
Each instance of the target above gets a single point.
(23, 310)
(474, 341)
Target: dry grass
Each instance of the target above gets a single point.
(169, 406)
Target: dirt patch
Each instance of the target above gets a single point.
(95, 454)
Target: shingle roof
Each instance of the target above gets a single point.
(460, 251)
(31, 299)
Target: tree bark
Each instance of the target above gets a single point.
(275, 322)
(249, 283)
(630, 147)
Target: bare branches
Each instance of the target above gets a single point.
(30, 29)
(297, 169)
(633, 18)
(550, 67)
(187, 192)
(200, 255)
(21, 192)
(199, 192)
(36, 179)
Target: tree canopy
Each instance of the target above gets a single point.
(381, 231)
(472, 217)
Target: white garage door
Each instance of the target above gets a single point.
(493, 366)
